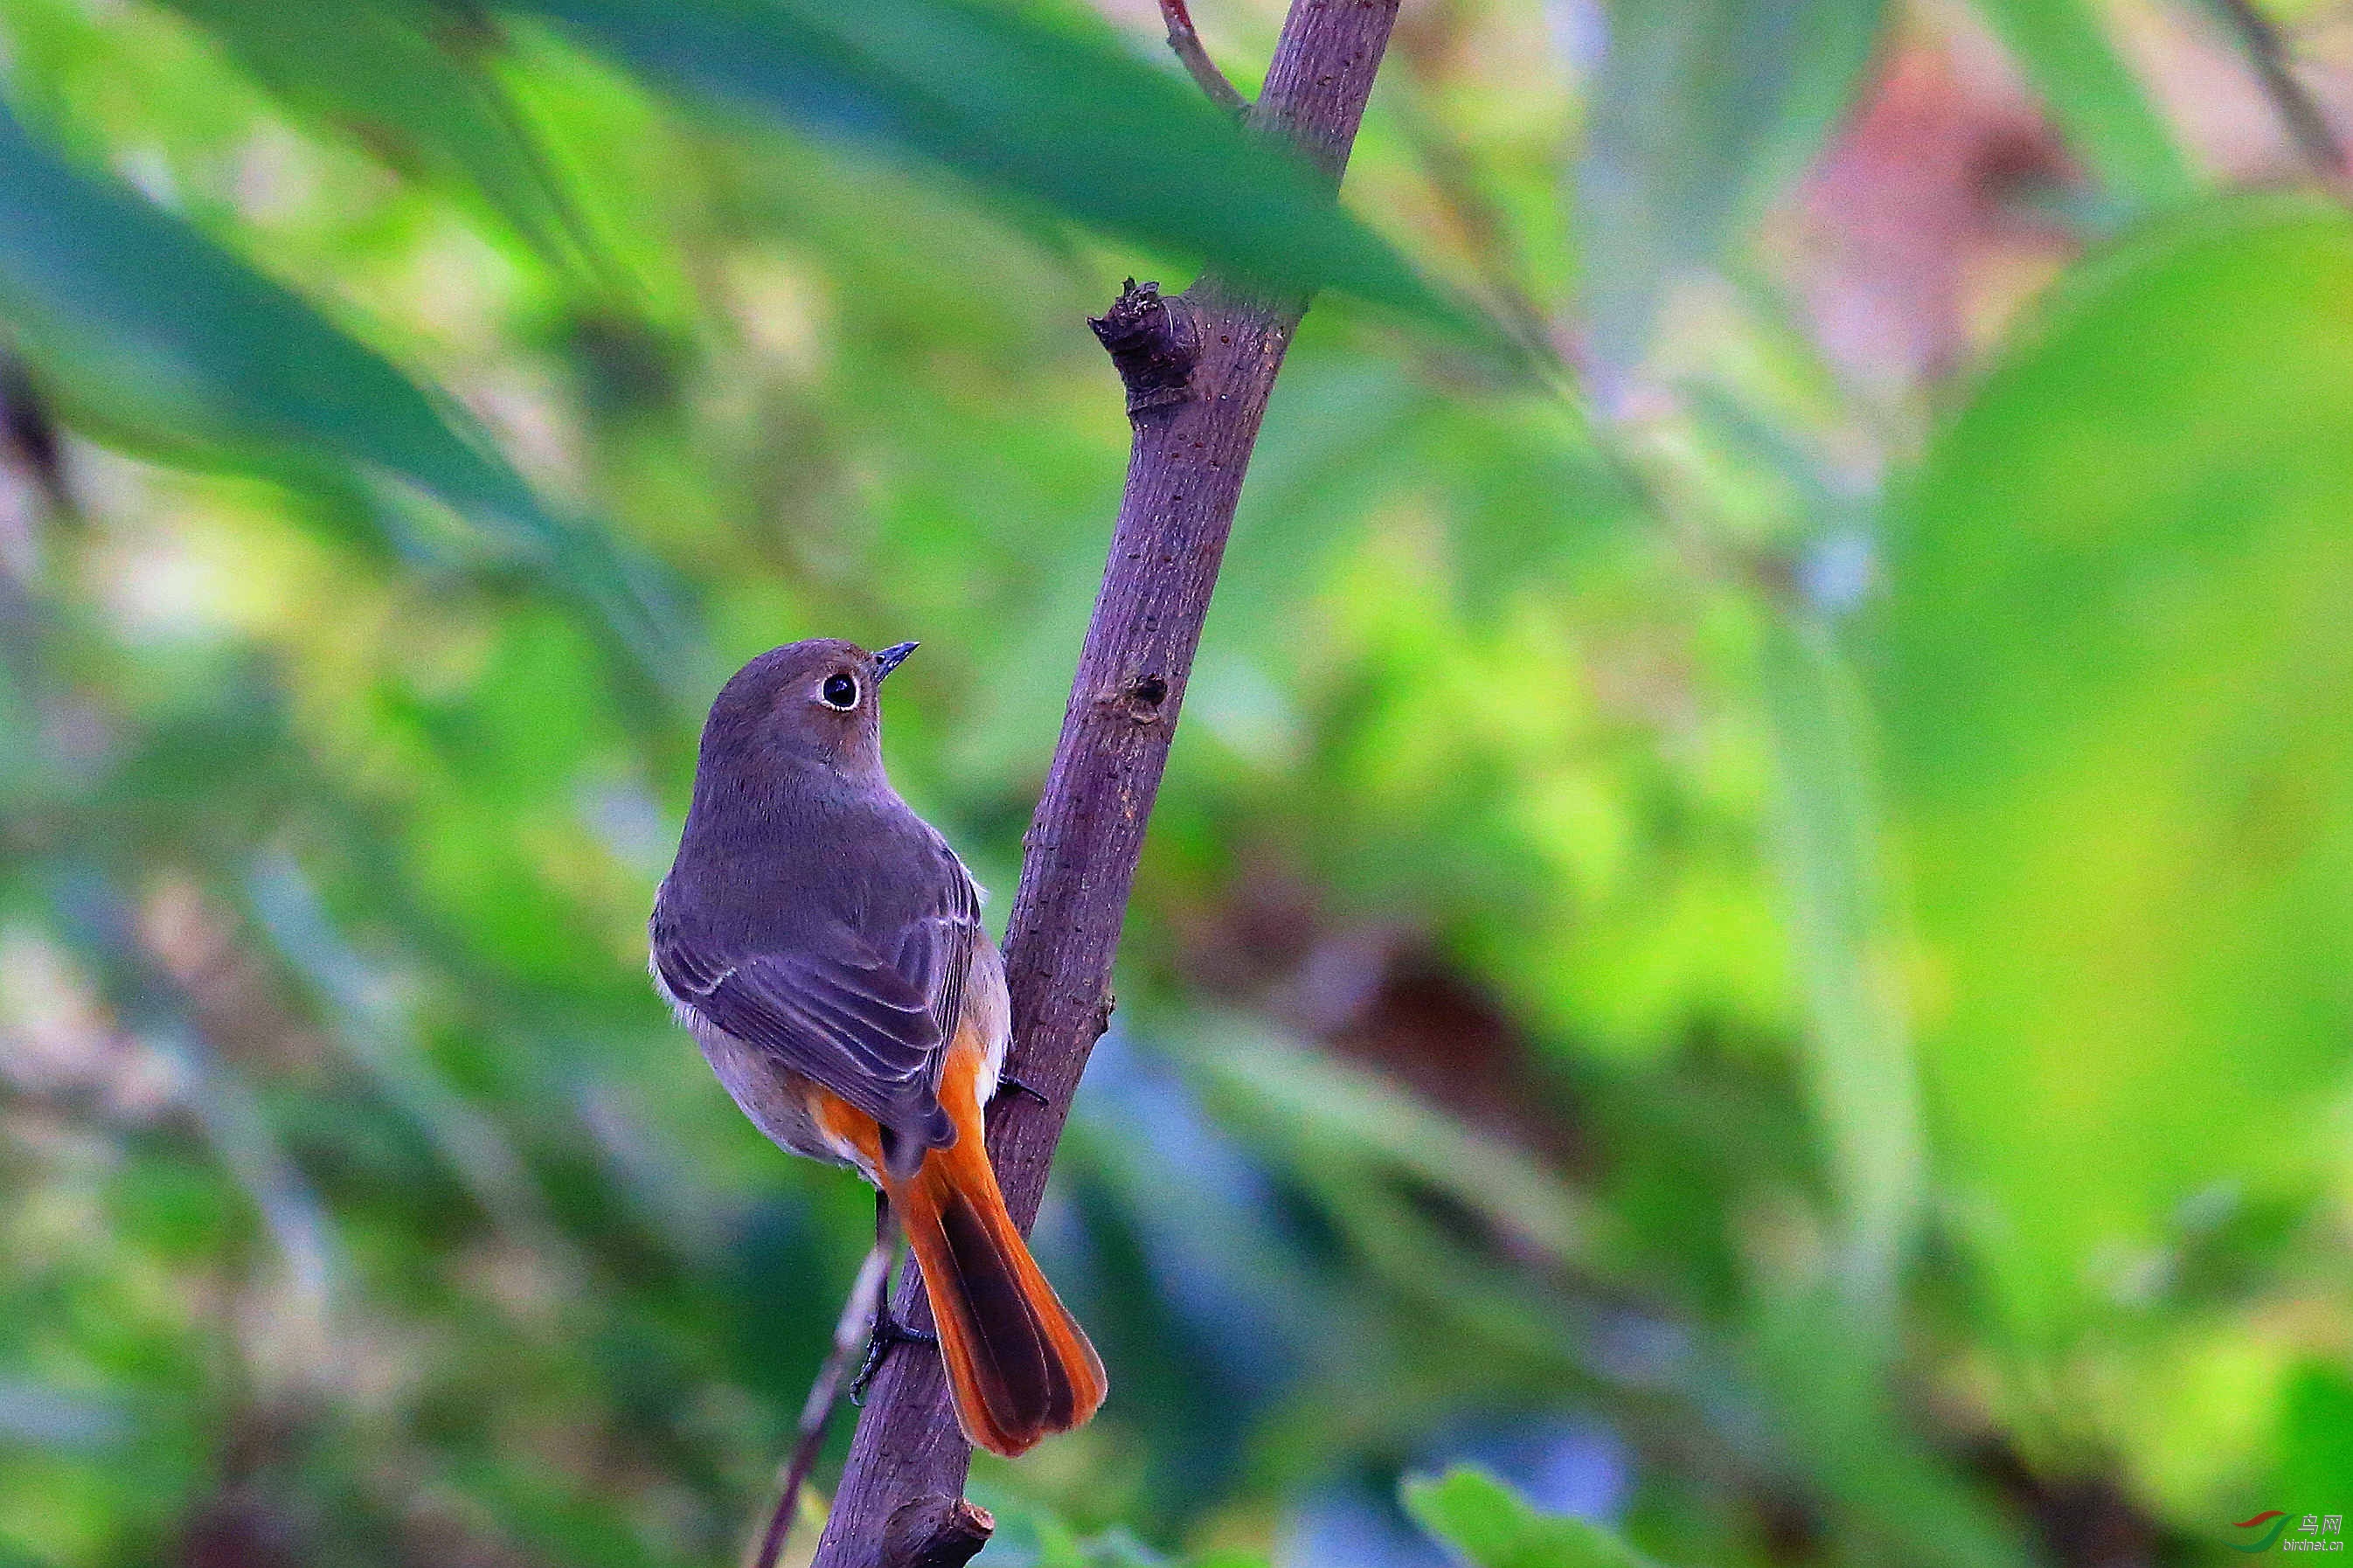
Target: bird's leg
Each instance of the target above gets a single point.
(888, 1330)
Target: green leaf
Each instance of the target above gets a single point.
(1827, 834)
(2114, 675)
(1325, 1104)
(375, 1024)
(157, 335)
(1701, 112)
(1839, 1417)
(1493, 1526)
(1065, 117)
(1031, 1533)
(2316, 1436)
(2064, 50)
(412, 80)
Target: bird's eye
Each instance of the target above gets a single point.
(841, 691)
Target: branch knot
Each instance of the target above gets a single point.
(1139, 702)
(1151, 343)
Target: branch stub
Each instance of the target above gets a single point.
(935, 1532)
(1151, 344)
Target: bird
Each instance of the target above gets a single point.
(823, 945)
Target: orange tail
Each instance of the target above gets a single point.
(1021, 1366)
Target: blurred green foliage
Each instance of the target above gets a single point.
(1481, 1518)
(1756, 948)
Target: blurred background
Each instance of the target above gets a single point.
(1749, 929)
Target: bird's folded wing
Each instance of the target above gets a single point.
(847, 1018)
(935, 950)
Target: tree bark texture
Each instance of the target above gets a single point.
(1198, 368)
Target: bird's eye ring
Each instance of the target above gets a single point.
(841, 691)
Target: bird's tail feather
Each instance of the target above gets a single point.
(1018, 1363)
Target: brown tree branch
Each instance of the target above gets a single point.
(1185, 43)
(1198, 369)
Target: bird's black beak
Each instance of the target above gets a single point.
(891, 658)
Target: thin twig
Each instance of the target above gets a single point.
(2298, 109)
(852, 1332)
(1187, 43)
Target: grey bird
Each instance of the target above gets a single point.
(823, 945)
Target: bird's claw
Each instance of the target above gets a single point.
(1007, 1084)
(887, 1331)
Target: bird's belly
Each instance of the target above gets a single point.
(777, 1099)
(773, 1097)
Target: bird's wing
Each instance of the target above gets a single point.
(935, 947)
(869, 1020)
